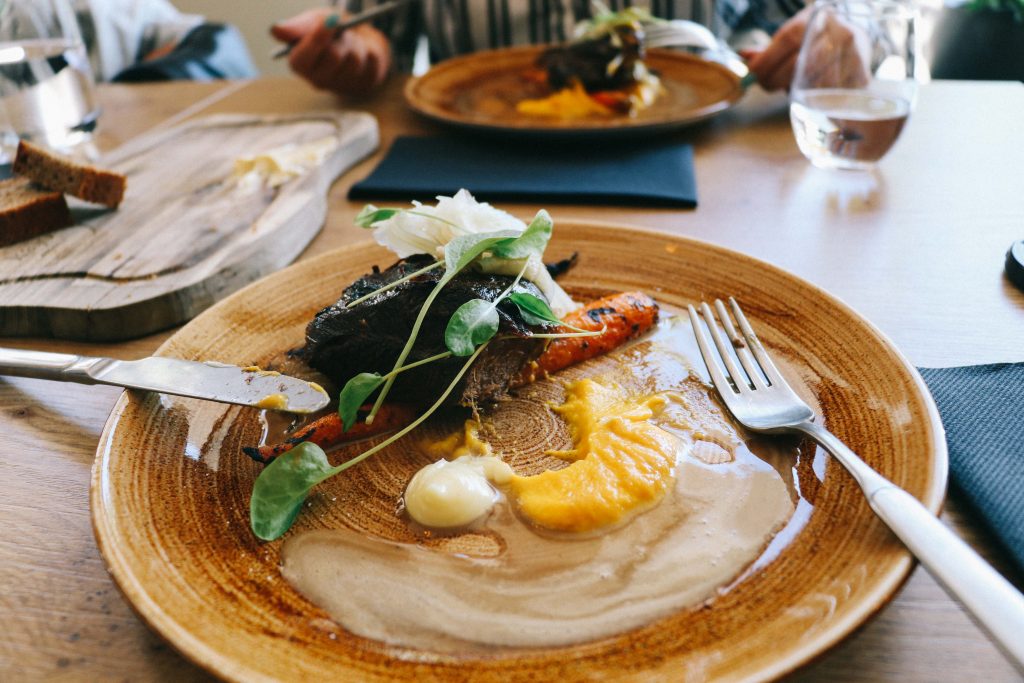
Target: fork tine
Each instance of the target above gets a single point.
(740, 345)
(720, 381)
(739, 380)
(756, 347)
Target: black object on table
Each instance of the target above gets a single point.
(658, 173)
(982, 409)
(1015, 264)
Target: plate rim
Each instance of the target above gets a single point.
(211, 660)
(637, 128)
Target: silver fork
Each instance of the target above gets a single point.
(761, 400)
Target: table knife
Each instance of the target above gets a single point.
(210, 381)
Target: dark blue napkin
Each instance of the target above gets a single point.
(982, 408)
(656, 173)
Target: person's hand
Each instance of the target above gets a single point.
(835, 55)
(354, 64)
(774, 65)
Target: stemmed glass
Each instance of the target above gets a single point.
(854, 84)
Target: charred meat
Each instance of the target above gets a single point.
(342, 342)
(605, 62)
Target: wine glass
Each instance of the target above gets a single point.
(854, 84)
(47, 92)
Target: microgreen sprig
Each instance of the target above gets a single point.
(396, 283)
(458, 254)
(535, 311)
(359, 388)
(284, 484)
(370, 215)
(476, 321)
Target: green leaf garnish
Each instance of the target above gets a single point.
(354, 394)
(461, 251)
(532, 242)
(394, 284)
(458, 253)
(370, 214)
(474, 323)
(534, 310)
(283, 486)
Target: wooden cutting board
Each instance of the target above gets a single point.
(187, 233)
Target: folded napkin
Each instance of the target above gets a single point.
(656, 173)
(982, 408)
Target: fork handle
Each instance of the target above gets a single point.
(996, 606)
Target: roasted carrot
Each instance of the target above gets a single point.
(328, 431)
(623, 316)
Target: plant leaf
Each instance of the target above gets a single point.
(354, 394)
(283, 486)
(474, 323)
(532, 242)
(460, 251)
(370, 214)
(535, 311)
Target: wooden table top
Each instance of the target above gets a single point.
(917, 248)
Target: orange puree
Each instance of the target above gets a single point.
(569, 103)
(621, 462)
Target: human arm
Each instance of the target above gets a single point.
(835, 48)
(775, 64)
(355, 63)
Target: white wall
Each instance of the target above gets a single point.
(253, 18)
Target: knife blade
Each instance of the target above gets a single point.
(204, 380)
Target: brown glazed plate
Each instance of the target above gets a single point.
(170, 490)
(480, 91)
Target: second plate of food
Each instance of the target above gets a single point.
(752, 558)
(482, 91)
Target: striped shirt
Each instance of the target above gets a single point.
(456, 27)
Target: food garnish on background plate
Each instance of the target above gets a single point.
(650, 501)
(601, 72)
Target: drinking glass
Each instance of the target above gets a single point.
(47, 93)
(854, 84)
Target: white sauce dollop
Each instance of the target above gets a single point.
(454, 493)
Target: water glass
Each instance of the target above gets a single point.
(854, 84)
(47, 93)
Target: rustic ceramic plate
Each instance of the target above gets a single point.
(480, 91)
(170, 490)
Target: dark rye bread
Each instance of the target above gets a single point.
(64, 175)
(27, 210)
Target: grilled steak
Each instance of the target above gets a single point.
(605, 63)
(342, 342)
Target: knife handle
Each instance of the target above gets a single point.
(62, 367)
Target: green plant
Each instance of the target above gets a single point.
(1014, 7)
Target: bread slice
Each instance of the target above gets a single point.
(27, 210)
(58, 173)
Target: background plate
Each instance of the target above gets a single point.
(170, 489)
(480, 91)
